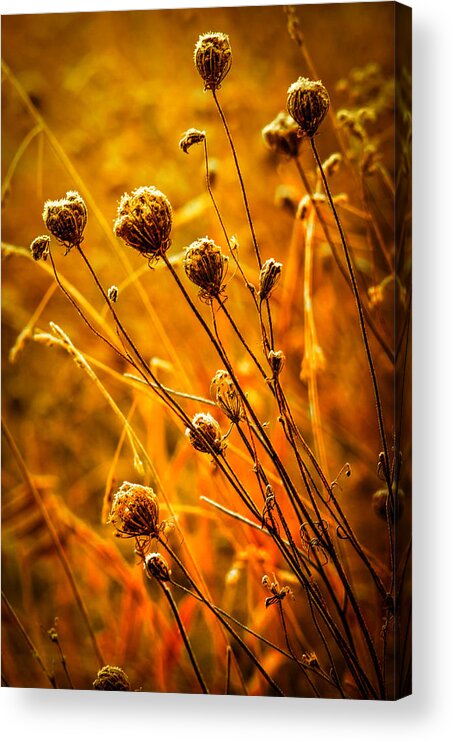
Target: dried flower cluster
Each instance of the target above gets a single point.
(144, 221)
(212, 57)
(135, 511)
(206, 435)
(66, 219)
(206, 266)
(227, 396)
(269, 277)
(156, 566)
(39, 248)
(308, 102)
(282, 135)
(111, 678)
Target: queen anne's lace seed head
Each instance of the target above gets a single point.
(39, 248)
(135, 511)
(66, 219)
(144, 221)
(308, 102)
(226, 395)
(111, 678)
(206, 266)
(212, 58)
(282, 135)
(205, 436)
(156, 566)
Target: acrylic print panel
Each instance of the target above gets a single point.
(206, 351)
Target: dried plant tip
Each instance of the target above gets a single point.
(205, 436)
(112, 294)
(191, 137)
(144, 221)
(310, 659)
(269, 277)
(111, 678)
(332, 164)
(381, 504)
(66, 219)
(282, 135)
(212, 58)
(308, 103)
(206, 266)
(276, 360)
(226, 395)
(278, 594)
(39, 248)
(156, 566)
(135, 511)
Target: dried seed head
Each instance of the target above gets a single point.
(191, 137)
(112, 294)
(310, 659)
(226, 395)
(66, 219)
(276, 360)
(282, 135)
(206, 266)
(135, 511)
(156, 566)
(212, 58)
(39, 248)
(286, 198)
(144, 221)
(308, 102)
(111, 678)
(206, 435)
(269, 277)
(379, 504)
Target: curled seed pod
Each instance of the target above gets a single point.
(39, 248)
(111, 678)
(144, 221)
(308, 102)
(226, 395)
(212, 58)
(191, 137)
(112, 294)
(135, 511)
(379, 504)
(269, 277)
(66, 219)
(206, 266)
(332, 164)
(206, 435)
(276, 360)
(282, 135)
(156, 566)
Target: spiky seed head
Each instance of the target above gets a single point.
(111, 678)
(156, 566)
(212, 57)
(276, 360)
(269, 277)
(66, 219)
(112, 294)
(282, 135)
(39, 248)
(206, 266)
(191, 137)
(144, 221)
(135, 511)
(226, 396)
(205, 435)
(308, 102)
